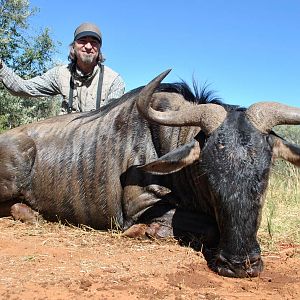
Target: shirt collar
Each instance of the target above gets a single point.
(78, 75)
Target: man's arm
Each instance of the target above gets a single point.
(39, 86)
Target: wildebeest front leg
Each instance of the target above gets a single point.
(138, 203)
(17, 155)
(150, 210)
(141, 193)
(156, 222)
(162, 221)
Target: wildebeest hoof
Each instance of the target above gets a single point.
(136, 231)
(24, 213)
(153, 230)
(157, 230)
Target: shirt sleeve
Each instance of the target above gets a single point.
(117, 88)
(39, 86)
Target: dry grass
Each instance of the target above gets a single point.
(56, 234)
(280, 220)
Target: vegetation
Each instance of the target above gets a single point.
(29, 56)
(281, 221)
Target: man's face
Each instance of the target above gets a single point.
(87, 49)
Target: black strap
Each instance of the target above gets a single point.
(71, 92)
(99, 88)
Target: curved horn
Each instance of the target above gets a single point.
(265, 115)
(207, 116)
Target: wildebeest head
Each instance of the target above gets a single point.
(234, 161)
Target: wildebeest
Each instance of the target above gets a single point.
(155, 162)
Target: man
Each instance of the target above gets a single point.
(85, 83)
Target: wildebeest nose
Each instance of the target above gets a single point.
(249, 267)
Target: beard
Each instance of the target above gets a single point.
(87, 58)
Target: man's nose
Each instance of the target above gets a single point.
(88, 45)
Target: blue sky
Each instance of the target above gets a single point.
(247, 51)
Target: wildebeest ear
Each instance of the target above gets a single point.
(287, 151)
(174, 160)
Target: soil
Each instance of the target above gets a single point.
(53, 261)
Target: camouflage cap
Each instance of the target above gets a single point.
(88, 29)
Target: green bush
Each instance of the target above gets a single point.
(28, 56)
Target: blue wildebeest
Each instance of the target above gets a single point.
(155, 162)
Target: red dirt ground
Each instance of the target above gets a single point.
(51, 261)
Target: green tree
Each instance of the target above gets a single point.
(29, 56)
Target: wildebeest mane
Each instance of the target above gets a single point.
(199, 94)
